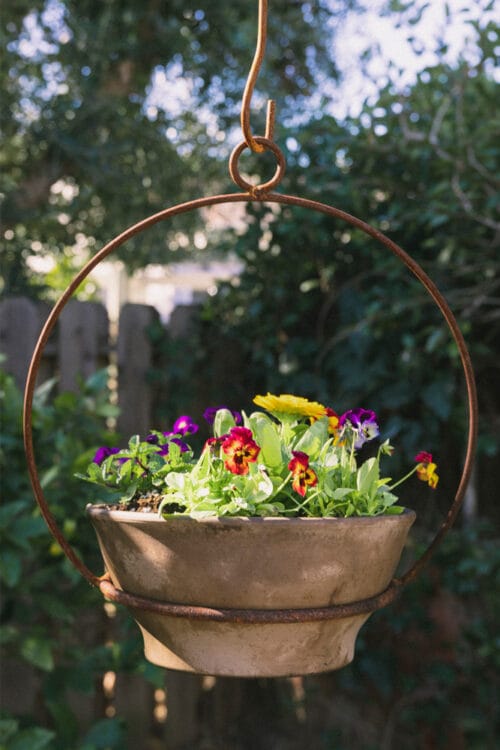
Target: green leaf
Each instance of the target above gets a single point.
(8, 633)
(55, 607)
(266, 436)
(94, 472)
(255, 487)
(37, 651)
(153, 674)
(174, 454)
(10, 510)
(125, 471)
(48, 476)
(156, 462)
(176, 481)
(341, 492)
(36, 738)
(27, 527)
(8, 728)
(107, 410)
(98, 381)
(223, 422)
(106, 734)
(368, 474)
(43, 391)
(313, 438)
(129, 494)
(435, 340)
(10, 567)
(134, 442)
(437, 398)
(64, 719)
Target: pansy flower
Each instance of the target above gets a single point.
(423, 458)
(303, 475)
(155, 439)
(426, 469)
(240, 450)
(102, 454)
(333, 419)
(363, 423)
(184, 426)
(164, 449)
(212, 444)
(211, 411)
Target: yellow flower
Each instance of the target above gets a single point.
(287, 404)
(426, 472)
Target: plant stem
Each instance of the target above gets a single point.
(403, 479)
(283, 485)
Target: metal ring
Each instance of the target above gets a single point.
(256, 190)
(251, 616)
(290, 200)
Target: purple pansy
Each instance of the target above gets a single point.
(154, 440)
(102, 454)
(209, 414)
(184, 426)
(364, 424)
(164, 449)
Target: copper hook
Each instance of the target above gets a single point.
(250, 84)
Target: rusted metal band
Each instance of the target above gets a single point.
(251, 616)
(312, 205)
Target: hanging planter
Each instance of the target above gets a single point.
(275, 514)
(256, 596)
(242, 585)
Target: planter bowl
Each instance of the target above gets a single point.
(249, 563)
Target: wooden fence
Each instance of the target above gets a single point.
(82, 343)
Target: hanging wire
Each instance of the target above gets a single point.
(250, 85)
(258, 144)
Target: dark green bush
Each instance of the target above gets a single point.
(52, 623)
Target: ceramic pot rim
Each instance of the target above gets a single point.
(129, 516)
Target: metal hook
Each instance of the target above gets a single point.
(250, 84)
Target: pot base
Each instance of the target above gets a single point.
(242, 650)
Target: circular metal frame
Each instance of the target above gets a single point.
(256, 194)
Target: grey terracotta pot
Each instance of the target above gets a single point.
(243, 563)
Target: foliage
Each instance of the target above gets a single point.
(50, 619)
(118, 106)
(428, 666)
(300, 459)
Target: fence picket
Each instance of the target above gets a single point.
(20, 325)
(135, 356)
(83, 342)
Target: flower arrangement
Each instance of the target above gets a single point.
(297, 458)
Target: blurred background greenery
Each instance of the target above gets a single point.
(114, 110)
